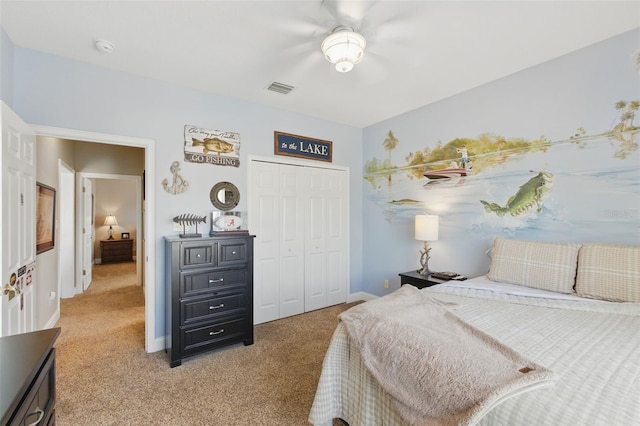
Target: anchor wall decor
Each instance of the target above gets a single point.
(178, 185)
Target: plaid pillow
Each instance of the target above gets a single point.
(609, 272)
(547, 266)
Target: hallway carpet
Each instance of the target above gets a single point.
(104, 376)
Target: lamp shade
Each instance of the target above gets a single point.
(110, 220)
(344, 48)
(426, 228)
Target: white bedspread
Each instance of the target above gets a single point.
(593, 346)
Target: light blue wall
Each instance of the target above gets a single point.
(594, 197)
(552, 99)
(53, 91)
(6, 68)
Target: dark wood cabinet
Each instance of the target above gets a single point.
(209, 294)
(417, 280)
(116, 251)
(28, 378)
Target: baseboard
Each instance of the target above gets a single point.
(53, 320)
(361, 295)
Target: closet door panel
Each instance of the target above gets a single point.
(315, 295)
(300, 216)
(315, 282)
(336, 242)
(265, 224)
(291, 255)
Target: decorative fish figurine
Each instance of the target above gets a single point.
(188, 219)
(530, 195)
(213, 145)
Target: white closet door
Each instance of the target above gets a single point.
(277, 220)
(326, 238)
(300, 218)
(336, 237)
(315, 295)
(264, 223)
(291, 241)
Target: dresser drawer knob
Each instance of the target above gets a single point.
(233, 252)
(213, 333)
(216, 307)
(216, 281)
(198, 255)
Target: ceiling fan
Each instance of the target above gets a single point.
(380, 34)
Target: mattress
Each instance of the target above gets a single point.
(594, 347)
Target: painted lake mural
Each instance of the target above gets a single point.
(520, 188)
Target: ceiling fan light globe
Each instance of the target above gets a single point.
(344, 48)
(344, 66)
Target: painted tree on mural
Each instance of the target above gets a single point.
(627, 114)
(390, 143)
(625, 132)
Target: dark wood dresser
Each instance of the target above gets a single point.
(209, 294)
(116, 251)
(28, 378)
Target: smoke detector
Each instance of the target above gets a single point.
(104, 46)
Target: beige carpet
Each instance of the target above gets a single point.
(104, 376)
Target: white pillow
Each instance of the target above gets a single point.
(547, 266)
(609, 272)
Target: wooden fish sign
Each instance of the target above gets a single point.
(211, 146)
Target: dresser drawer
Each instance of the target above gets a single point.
(194, 310)
(198, 282)
(200, 338)
(232, 252)
(40, 402)
(197, 254)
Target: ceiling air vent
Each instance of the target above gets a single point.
(280, 88)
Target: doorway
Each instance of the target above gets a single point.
(147, 249)
(121, 197)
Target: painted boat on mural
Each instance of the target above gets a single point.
(448, 173)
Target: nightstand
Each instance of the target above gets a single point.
(116, 251)
(417, 280)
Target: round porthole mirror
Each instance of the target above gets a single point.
(224, 196)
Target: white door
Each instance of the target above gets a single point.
(326, 238)
(276, 220)
(337, 236)
(291, 225)
(316, 274)
(87, 232)
(18, 250)
(300, 218)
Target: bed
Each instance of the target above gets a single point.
(572, 308)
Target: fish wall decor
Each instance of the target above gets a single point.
(215, 147)
(188, 219)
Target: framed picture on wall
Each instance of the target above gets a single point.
(124, 235)
(45, 217)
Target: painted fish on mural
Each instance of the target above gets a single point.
(213, 145)
(530, 195)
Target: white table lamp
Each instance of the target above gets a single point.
(426, 229)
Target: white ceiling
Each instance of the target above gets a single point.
(418, 52)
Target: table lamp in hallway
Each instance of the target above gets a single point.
(110, 220)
